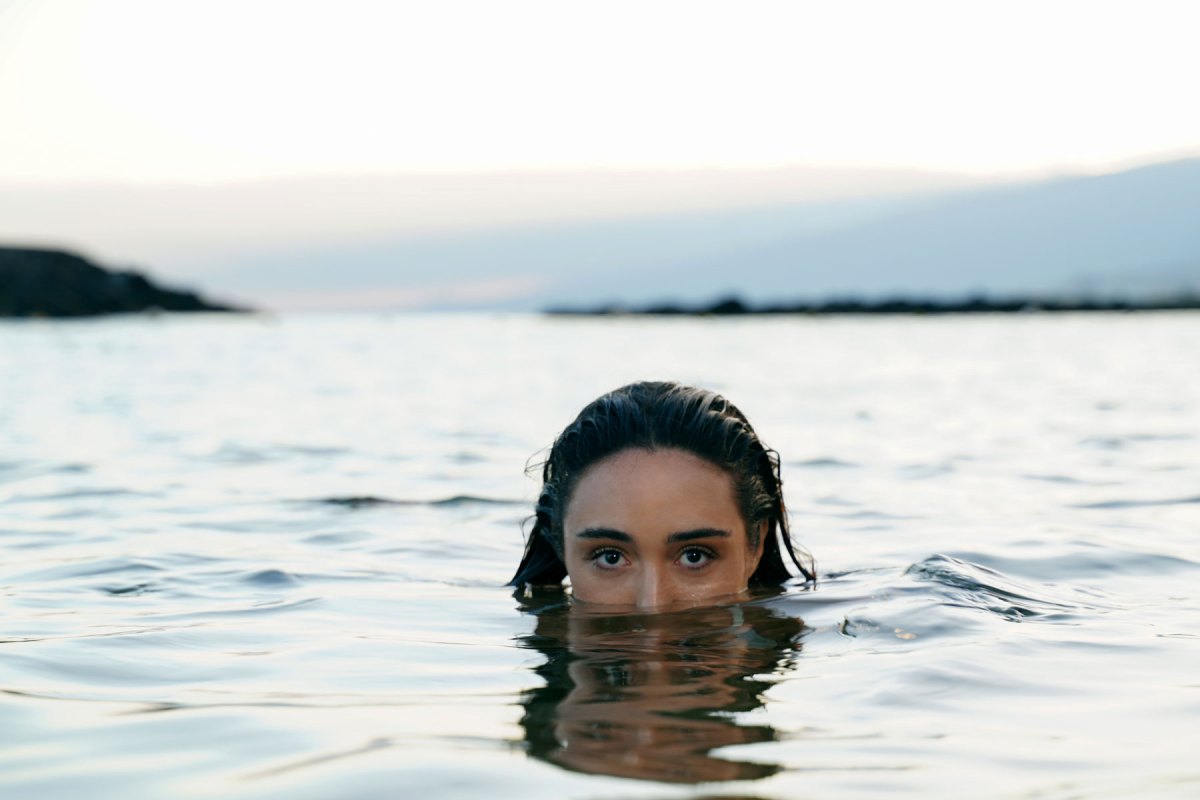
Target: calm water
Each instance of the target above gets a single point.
(264, 557)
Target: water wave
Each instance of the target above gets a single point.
(1115, 504)
(1082, 560)
(823, 463)
(968, 585)
(1119, 442)
(373, 501)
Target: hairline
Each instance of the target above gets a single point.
(753, 536)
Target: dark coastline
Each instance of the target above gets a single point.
(37, 282)
(733, 306)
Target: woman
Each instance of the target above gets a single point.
(659, 496)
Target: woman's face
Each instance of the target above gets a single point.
(656, 529)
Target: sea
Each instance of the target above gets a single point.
(265, 556)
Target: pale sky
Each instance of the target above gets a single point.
(212, 91)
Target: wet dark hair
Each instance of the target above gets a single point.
(660, 415)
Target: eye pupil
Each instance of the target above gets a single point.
(611, 558)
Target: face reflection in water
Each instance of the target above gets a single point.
(656, 529)
(649, 696)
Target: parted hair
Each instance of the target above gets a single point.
(656, 415)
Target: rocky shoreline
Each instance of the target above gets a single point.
(38, 282)
(733, 306)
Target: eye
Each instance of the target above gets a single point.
(695, 557)
(607, 558)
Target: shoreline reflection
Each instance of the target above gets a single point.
(650, 696)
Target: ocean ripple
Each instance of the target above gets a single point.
(962, 583)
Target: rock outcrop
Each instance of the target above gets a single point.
(732, 306)
(54, 283)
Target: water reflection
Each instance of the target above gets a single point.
(650, 696)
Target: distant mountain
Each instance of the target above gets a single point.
(525, 267)
(1131, 234)
(185, 228)
(538, 240)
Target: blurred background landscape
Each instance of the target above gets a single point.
(469, 156)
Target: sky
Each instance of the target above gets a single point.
(202, 140)
(145, 91)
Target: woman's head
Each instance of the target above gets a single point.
(658, 494)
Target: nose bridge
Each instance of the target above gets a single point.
(652, 586)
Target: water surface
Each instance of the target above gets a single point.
(264, 557)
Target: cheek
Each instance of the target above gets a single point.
(579, 570)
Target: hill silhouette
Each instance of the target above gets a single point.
(54, 283)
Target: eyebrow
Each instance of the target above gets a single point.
(699, 533)
(681, 536)
(604, 533)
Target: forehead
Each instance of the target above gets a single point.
(667, 490)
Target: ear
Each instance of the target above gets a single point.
(756, 556)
